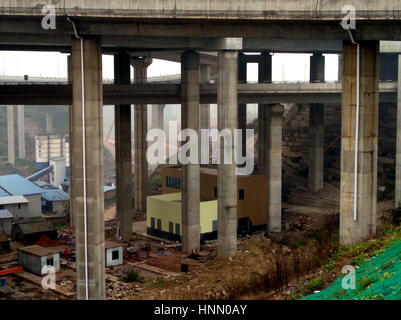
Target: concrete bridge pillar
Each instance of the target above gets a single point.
(274, 152)
(140, 65)
(87, 181)
(316, 128)
(265, 76)
(227, 96)
(122, 116)
(340, 67)
(21, 132)
(49, 123)
(11, 135)
(158, 116)
(190, 202)
(362, 227)
(398, 150)
(205, 77)
(73, 191)
(242, 108)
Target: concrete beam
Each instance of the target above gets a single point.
(362, 227)
(227, 179)
(93, 180)
(112, 30)
(122, 116)
(190, 202)
(162, 93)
(213, 10)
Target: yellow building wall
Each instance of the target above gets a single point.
(254, 204)
(167, 207)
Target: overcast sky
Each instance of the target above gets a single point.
(286, 67)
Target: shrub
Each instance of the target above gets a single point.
(132, 276)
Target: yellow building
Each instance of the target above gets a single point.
(164, 211)
(164, 217)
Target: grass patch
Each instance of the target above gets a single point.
(59, 227)
(315, 284)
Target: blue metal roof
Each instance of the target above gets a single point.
(55, 195)
(45, 185)
(3, 193)
(108, 188)
(16, 185)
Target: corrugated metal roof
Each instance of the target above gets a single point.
(3, 193)
(17, 185)
(5, 214)
(13, 200)
(55, 195)
(35, 227)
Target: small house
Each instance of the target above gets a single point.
(4, 244)
(114, 254)
(109, 192)
(55, 201)
(34, 258)
(6, 222)
(31, 232)
(16, 185)
(18, 206)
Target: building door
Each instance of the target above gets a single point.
(244, 226)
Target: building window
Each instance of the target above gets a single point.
(177, 229)
(152, 223)
(115, 255)
(19, 205)
(215, 192)
(159, 224)
(241, 194)
(50, 262)
(2, 207)
(171, 227)
(173, 182)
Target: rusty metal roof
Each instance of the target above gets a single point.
(112, 244)
(36, 227)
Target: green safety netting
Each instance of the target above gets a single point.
(379, 278)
